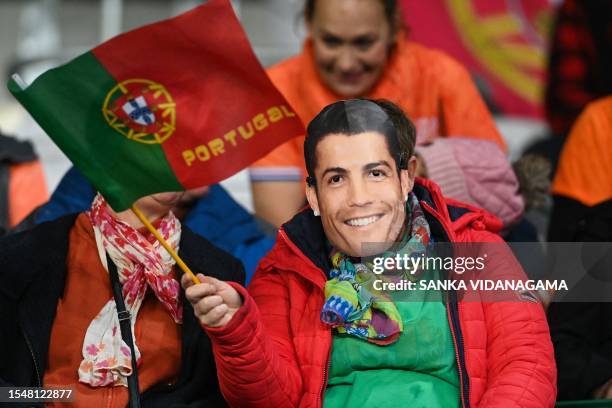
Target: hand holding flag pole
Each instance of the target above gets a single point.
(165, 244)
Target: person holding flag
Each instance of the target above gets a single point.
(313, 331)
(91, 301)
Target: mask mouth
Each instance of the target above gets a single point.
(363, 221)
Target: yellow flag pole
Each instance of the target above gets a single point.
(164, 243)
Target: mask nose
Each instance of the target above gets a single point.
(359, 195)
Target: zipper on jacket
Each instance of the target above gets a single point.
(458, 342)
(437, 216)
(29, 344)
(287, 240)
(455, 327)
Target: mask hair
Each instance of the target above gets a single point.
(354, 116)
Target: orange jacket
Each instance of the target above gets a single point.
(585, 166)
(27, 190)
(434, 90)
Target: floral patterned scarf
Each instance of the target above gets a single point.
(141, 263)
(351, 307)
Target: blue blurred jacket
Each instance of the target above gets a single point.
(215, 216)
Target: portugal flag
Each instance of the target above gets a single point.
(170, 106)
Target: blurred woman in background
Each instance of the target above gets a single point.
(358, 48)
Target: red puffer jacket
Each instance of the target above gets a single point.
(275, 351)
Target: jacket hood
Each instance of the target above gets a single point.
(300, 243)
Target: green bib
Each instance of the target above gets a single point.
(418, 370)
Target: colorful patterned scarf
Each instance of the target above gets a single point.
(351, 307)
(141, 263)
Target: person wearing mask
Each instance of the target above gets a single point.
(359, 48)
(310, 331)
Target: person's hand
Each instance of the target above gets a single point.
(604, 392)
(214, 301)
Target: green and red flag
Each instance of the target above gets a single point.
(170, 106)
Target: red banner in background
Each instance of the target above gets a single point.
(502, 42)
